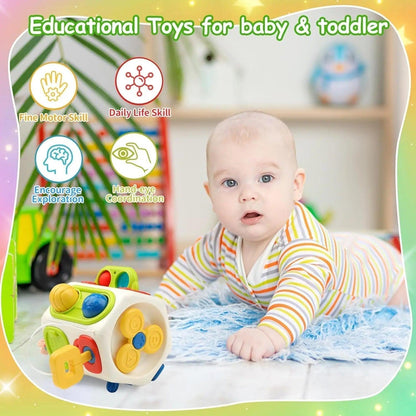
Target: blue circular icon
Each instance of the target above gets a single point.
(58, 159)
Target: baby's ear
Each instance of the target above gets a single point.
(298, 184)
(206, 187)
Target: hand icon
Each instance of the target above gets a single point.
(133, 155)
(52, 85)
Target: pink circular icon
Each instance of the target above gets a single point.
(139, 81)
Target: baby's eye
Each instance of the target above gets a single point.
(230, 183)
(266, 178)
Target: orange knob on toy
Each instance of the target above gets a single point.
(63, 297)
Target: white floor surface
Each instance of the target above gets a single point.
(192, 385)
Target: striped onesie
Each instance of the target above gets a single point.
(303, 273)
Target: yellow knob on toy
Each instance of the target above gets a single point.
(154, 339)
(131, 322)
(127, 358)
(67, 366)
(63, 297)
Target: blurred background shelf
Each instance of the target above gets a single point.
(308, 113)
(348, 153)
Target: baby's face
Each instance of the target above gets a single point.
(253, 185)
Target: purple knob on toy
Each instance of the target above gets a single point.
(93, 305)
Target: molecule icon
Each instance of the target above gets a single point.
(139, 81)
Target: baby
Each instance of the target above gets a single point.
(269, 248)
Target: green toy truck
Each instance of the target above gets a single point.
(26, 263)
(9, 293)
(32, 253)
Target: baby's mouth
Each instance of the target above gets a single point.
(251, 217)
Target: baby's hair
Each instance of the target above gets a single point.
(251, 125)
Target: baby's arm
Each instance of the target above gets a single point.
(192, 271)
(305, 270)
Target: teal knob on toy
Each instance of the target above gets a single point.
(118, 277)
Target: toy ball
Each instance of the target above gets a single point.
(94, 304)
(63, 297)
(337, 79)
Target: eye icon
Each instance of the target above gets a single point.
(124, 153)
(133, 155)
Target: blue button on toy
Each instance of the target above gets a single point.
(112, 387)
(92, 361)
(139, 340)
(94, 304)
(158, 372)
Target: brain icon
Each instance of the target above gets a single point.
(62, 153)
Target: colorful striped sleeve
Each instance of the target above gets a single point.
(306, 269)
(193, 270)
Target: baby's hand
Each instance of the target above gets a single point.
(255, 343)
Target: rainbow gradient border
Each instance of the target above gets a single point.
(18, 396)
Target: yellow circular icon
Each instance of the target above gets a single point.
(53, 85)
(133, 155)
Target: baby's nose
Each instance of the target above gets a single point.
(248, 194)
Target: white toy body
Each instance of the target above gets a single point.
(129, 329)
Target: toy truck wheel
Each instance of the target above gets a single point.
(44, 281)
